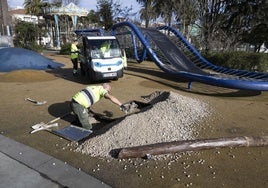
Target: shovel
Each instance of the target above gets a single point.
(45, 126)
(36, 102)
(42, 126)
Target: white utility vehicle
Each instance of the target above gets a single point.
(100, 56)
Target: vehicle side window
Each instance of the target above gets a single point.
(116, 52)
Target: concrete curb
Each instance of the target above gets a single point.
(43, 167)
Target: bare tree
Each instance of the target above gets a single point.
(209, 13)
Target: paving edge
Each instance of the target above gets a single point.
(48, 166)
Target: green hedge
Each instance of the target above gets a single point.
(35, 47)
(66, 49)
(240, 60)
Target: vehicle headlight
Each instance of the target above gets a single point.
(119, 63)
(97, 64)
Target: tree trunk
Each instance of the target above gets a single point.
(190, 145)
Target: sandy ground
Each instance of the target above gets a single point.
(237, 113)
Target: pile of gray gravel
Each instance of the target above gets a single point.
(171, 117)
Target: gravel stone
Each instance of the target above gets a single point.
(171, 117)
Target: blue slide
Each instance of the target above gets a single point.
(175, 55)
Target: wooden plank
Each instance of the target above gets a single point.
(191, 145)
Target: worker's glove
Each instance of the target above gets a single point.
(124, 109)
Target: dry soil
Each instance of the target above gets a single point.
(202, 112)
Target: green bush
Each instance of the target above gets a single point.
(31, 46)
(34, 47)
(66, 49)
(240, 60)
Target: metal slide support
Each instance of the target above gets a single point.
(189, 85)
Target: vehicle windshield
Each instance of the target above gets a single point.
(104, 48)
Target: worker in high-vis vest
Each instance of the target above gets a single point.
(105, 47)
(84, 99)
(74, 57)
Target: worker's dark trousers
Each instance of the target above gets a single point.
(82, 114)
(75, 65)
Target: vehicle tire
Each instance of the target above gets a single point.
(120, 73)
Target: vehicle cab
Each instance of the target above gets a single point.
(100, 57)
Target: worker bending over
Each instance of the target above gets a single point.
(85, 98)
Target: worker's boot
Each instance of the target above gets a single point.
(75, 72)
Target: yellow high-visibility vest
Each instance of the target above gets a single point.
(89, 95)
(105, 47)
(74, 51)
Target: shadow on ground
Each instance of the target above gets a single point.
(150, 69)
(197, 88)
